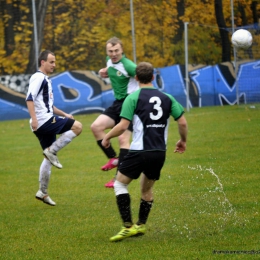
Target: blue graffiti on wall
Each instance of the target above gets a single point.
(84, 99)
(76, 92)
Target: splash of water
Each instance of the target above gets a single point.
(228, 212)
(220, 188)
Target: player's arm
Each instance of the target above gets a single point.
(61, 113)
(177, 112)
(115, 131)
(183, 132)
(31, 109)
(34, 87)
(103, 73)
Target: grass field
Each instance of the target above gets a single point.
(207, 198)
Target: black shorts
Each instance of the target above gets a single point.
(148, 162)
(114, 112)
(56, 125)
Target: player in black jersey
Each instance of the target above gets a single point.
(149, 110)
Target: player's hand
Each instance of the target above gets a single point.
(180, 147)
(105, 143)
(103, 73)
(69, 116)
(34, 125)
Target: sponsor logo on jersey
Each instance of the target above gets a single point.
(156, 125)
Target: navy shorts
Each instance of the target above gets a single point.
(148, 162)
(114, 112)
(48, 131)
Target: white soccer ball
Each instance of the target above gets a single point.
(242, 39)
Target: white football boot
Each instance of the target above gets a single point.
(52, 158)
(44, 198)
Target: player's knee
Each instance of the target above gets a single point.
(120, 188)
(93, 127)
(96, 127)
(77, 127)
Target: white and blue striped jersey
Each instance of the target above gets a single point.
(40, 92)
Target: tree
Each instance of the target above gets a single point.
(76, 31)
(41, 8)
(226, 47)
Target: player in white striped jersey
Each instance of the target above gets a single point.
(45, 125)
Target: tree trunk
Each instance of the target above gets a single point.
(225, 42)
(244, 22)
(9, 44)
(255, 14)
(41, 8)
(179, 32)
(180, 10)
(242, 13)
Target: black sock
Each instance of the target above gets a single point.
(123, 202)
(144, 210)
(109, 152)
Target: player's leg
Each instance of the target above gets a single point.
(44, 178)
(124, 144)
(146, 203)
(98, 128)
(68, 132)
(129, 169)
(68, 128)
(124, 206)
(152, 167)
(45, 169)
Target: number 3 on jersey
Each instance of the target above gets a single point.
(157, 106)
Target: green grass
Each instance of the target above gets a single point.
(207, 198)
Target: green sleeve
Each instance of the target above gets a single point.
(177, 109)
(129, 106)
(130, 66)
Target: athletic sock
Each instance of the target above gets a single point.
(62, 141)
(144, 210)
(109, 152)
(123, 203)
(44, 175)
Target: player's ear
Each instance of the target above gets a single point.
(42, 62)
(152, 78)
(136, 78)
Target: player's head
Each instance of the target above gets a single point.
(114, 49)
(46, 61)
(144, 72)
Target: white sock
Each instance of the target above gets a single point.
(120, 188)
(62, 141)
(44, 175)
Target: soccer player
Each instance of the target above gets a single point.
(121, 72)
(45, 125)
(149, 109)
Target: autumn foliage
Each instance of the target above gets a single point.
(76, 31)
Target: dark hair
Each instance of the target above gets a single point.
(144, 72)
(114, 41)
(43, 56)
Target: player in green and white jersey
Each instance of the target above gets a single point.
(121, 72)
(149, 110)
